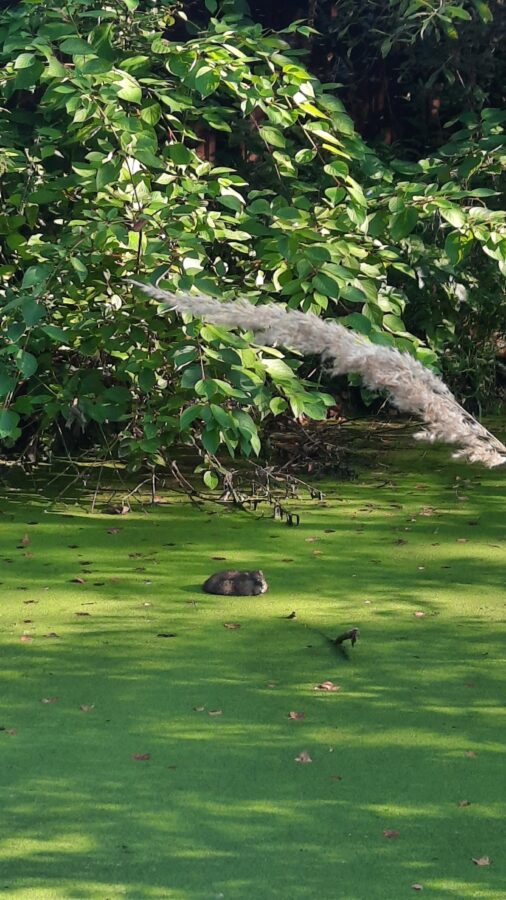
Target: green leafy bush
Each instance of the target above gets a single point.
(219, 164)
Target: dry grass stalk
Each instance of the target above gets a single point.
(410, 386)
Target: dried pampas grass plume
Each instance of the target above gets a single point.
(410, 386)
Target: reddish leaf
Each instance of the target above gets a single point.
(231, 625)
(391, 833)
(87, 707)
(327, 686)
(482, 860)
(296, 715)
(25, 540)
(419, 614)
(50, 700)
(140, 757)
(26, 638)
(303, 757)
(464, 803)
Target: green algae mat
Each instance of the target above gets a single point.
(157, 742)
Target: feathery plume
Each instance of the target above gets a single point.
(410, 386)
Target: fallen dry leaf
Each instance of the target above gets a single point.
(231, 625)
(311, 540)
(391, 833)
(464, 803)
(417, 887)
(199, 708)
(481, 860)
(87, 707)
(25, 540)
(427, 511)
(327, 686)
(303, 757)
(296, 715)
(26, 638)
(470, 754)
(141, 756)
(215, 712)
(419, 614)
(49, 700)
(462, 540)
(78, 580)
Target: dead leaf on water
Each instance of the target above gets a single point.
(303, 757)
(327, 686)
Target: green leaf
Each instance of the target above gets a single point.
(151, 114)
(130, 89)
(179, 154)
(403, 223)
(272, 136)
(24, 61)
(206, 80)
(189, 415)
(76, 47)
(8, 423)
(210, 480)
(26, 363)
(454, 216)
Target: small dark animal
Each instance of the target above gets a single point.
(352, 635)
(236, 584)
